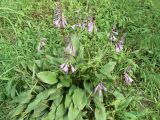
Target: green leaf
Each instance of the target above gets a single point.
(45, 94)
(56, 95)
(128, 116)
(33, 105)
(108, 68)
(24, 97)
(100, 113)
(98, 102)
(17, 111)
(9, 87)
(71, 90)
(58, 100)
(65, 81)
(127, 102)
(73, 112)
(118, 95)
(79, 98)
(116, 104)
(31, 66)
(60, 111)
(48, 77)
(80, 55)
(52, 114)
(54, 60)
(13, 91)
(5, 78)
(59, 85)
(39, 63)
(87, 87)
(39, 110)
(40, 97)
(67, 101)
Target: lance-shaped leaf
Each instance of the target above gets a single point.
(60, 111)
(17, 111)
(52, 114)
(73, 112)
(23, 98)
(39, 98)
(48, 77)
(100, 114)
(40, 108)
(107, 69)
(68, 101)
(79, 99)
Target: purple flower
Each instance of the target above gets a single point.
(99, 88)
(57, 23)
(113, 34)
(79, 25)
(114, 30)
(90, 26)
(59, 19)
(60, 23)
(70, 49)
(119, 46)
(64, 67)
(64, 22)
(128, 79)
(73, 69)
(112, 38)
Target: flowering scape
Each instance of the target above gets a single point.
(70, 50)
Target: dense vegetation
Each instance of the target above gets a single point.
(53, 65)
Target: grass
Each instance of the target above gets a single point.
(23, 23)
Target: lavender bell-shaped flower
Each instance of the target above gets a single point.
(70, 49)
(72, 69)
(57, 15)
(91, 25)
(113, 34)
(128, 79)
(79, 25)
(57, 23)
(60, 23)
(64, 22)
(100, 88)
(64, 67)
(59, 19)
(119, 46)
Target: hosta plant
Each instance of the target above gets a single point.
(79, 79)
